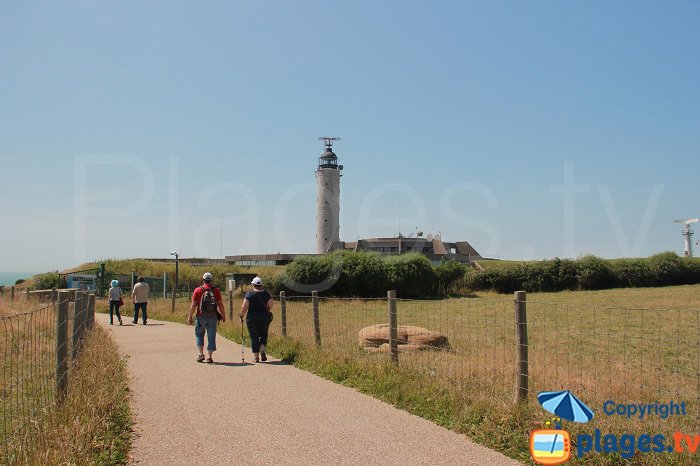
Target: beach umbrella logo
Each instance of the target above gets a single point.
(553, 446)
(565, 405)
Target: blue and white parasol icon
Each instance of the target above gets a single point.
(565, 405)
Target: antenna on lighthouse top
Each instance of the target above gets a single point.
(328, 141)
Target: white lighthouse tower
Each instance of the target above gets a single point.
(327, 197)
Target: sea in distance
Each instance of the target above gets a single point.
(9, 278)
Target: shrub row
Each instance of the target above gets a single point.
(588, 273)
(367, 274)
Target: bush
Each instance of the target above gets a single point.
(500, 281)
(634, 273)
(411, 275)
(20, 281)
(365, 274)
(668, 268)
(362, 274)
(273, 282)
(46, 281)
(448, 273)
(307, 273)
(594, 273)
(588, 273)
(691, 268)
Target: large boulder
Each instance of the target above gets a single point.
(410, 337)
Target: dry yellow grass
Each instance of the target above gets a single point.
(91, 426)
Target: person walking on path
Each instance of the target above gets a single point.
(140, 298)
(258, 306)
(207, 301)
(115, 301)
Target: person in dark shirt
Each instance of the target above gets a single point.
(256, 309)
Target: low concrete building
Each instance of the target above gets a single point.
(434, 249)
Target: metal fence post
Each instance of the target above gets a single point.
(521, 389)
(230, 305)
(165, 284)
(77, 322)
(62, 346)
(317, 320)
(393, 327)
(283, 312)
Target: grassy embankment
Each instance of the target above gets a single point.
(91, 426)
(600, 344)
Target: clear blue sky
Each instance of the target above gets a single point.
(530, 129)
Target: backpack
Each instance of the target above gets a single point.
(207, 303)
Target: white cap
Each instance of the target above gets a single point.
(207, 277)
(257, 281)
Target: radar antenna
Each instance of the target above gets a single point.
(328, 141)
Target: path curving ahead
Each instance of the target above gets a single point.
(227, 413)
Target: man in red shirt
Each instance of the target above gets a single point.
(209, 305)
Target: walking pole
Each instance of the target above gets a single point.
(242, 353)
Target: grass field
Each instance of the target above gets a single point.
(91, 426)
(627, 345)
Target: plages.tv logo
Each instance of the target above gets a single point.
(553, 446)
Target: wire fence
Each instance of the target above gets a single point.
(625, 355)
(640, 355)
(37, 347)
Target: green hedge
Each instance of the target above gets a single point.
(587, 273)
(368, 274)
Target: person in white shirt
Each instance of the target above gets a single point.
(140, 297)
(115, 300)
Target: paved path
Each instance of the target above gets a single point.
(227, 413)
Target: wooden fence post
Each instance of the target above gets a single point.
(317, 320)
(77, 322)
(27, 296)
(230, 305)
(283, 312)
(521, 389)
(12, 294)
(172, 303)
(393, 327)
(91, 311)
(62, 346)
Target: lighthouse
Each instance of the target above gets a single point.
(327, 197)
